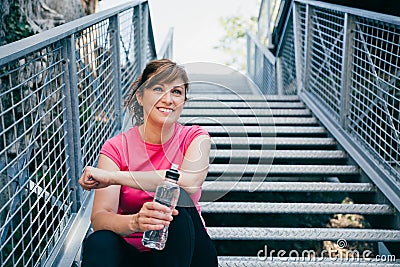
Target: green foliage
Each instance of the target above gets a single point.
(16, 24)
(233, 43)
(236, 26)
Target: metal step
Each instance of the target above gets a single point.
(242, 186)
(264, 130)
(271, 178)
(264, 121)
(243, 155)
(211, 90)
(271, 142)
(295, 208)
(303, 260)
(321, 234)
(281, 170)
(217, 104)
(243, 97)
(189, 112)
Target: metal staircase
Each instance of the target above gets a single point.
(276, 179)
(281, 166)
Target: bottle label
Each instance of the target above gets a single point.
(166, 196)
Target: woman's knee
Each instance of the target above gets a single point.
(103, 248)
(106, 248)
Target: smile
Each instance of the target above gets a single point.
(165, 110)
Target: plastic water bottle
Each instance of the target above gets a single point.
(167, 193)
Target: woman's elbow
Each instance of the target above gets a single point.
(94, 223)
(189, 188)
(96, 220)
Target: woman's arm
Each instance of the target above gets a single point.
(96, 178)
(194, 169)
(105, 206)
(152, 216)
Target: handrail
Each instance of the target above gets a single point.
(32, 43)
(268, 54)
(354, 11)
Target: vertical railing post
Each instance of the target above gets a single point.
(138, 37)
(145, 36)
(279, 75)
(248, 56)
(348, 40)
(307, 49)
(171, 46)
(297, 47)
(257, 61)
(116, 65)
(72, 116)
(253, 59)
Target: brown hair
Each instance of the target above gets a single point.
(156, 71)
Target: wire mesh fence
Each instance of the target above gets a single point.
(325, 57)
(352, 66)
(287, 62)
(60, 99)
(35, 193)
(129, 40)
(95, 65)
(300, 26)
(374, 111)
(261, 66)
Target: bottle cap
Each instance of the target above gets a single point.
(173, 173)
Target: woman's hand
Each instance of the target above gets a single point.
(95, 178)
(152, 216)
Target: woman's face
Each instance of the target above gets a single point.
(163, 102)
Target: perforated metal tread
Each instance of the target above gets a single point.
(265, 121)
(283, 170)
(242, 97)
(295, 208)
(277, 233)
(189, 112)
(217, 104)
(246, 142)
(264, 130)
(301, 261)
(244, 154)
(224, 186)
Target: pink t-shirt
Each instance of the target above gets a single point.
(131, 153)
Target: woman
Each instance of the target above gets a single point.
(131, 165)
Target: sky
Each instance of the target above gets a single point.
(196, 25)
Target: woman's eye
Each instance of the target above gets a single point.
(177, 92)
(157, 89)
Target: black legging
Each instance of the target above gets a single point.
(188, 245)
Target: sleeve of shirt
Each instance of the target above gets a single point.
(197, 131)
(112, 151)
(194, 132)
